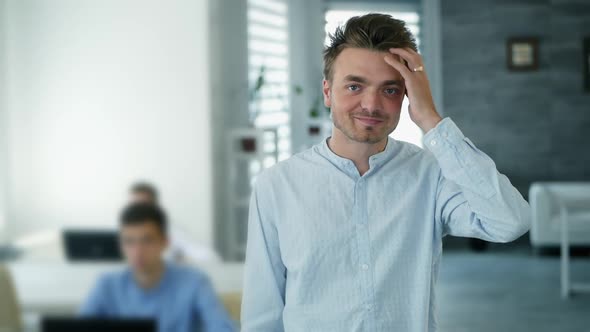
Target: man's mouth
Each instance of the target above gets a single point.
(368, 120)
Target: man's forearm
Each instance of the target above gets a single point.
(502, 212)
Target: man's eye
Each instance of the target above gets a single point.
(391, 91)
(354, 87)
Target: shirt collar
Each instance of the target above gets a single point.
(347, 166)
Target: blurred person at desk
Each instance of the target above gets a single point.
(180, 249)
(178, 298)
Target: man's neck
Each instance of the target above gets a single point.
(149, 279)
(358, 153)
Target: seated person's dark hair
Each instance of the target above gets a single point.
(139, 213)
(146, 188)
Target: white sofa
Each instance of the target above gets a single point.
(545, 198)
(561, 215)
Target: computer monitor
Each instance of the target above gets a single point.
(91, 245)
(62, 324)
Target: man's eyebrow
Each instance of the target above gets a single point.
(355, 78)
(393, 82)
(359, 79)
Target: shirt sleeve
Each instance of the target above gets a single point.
(213, 316)
(96, 302)
(473, 198)
(264, 273)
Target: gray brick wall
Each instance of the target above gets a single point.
(535, 125)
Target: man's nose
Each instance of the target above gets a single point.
(371, 101)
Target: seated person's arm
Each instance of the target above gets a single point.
(210, 310)
(96, 303)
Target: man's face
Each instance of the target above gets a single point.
(142, 197)
(365, 95)
(142, 246)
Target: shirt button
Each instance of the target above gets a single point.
(433, 142)
(365, 267)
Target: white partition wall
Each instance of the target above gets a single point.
(99, 94)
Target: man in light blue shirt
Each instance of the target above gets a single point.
(178, 298)
(347, 236)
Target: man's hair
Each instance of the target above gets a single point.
(145, 188)
(378, 32)
(140, 213)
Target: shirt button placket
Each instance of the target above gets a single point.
(364, 246)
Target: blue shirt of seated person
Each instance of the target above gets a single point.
(183, 300)
(180, 299)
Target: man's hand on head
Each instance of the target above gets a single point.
(422, 109)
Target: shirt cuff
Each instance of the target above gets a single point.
(458, 157)
(443, 136)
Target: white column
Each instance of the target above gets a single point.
(3, 128)
(229, 85)
(306, 43)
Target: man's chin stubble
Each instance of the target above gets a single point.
(361, 138)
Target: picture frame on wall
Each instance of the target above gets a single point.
(586, 64)
(522, 53)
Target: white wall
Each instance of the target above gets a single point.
(100, 93)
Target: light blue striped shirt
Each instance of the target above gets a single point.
(330, 250)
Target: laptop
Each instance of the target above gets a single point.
(91, 245)
(56, 324)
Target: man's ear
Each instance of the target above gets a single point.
(326, 89)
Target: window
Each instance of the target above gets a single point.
(268, 75)
(406, 130)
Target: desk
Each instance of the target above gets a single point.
(60, 288)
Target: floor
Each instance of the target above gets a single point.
(509, 290)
